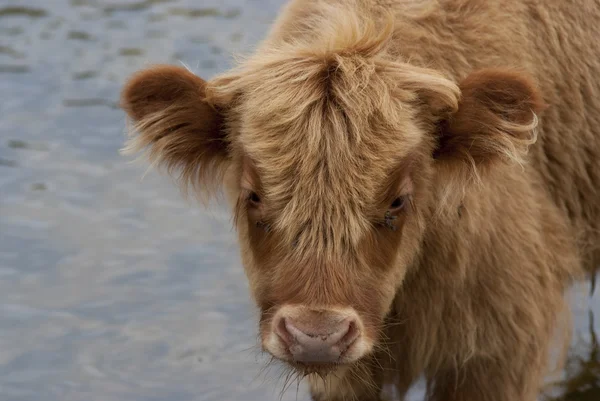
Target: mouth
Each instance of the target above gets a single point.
(318, 369)
(319, 365)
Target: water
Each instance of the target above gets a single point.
(113, 288)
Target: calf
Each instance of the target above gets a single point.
(415, 184)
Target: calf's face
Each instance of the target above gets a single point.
(333, 169)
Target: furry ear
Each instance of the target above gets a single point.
(496, 119)
(176, 126)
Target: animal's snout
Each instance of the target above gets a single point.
(307, 335)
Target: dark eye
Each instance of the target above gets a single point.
(398, 203)
(253, 198)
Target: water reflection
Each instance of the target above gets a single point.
(14, 69)
(78, 35)
(8, 163)
(11, 52)
(112, 288)
(582, 382)
(22, 11)
(205, 12)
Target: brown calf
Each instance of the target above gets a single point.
(415, 183)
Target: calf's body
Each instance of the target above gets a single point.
(415, 184)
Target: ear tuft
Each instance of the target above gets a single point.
(496, 118)
(175, 125)
(154, 89)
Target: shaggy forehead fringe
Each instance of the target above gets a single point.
(326, 91)
(334, 46)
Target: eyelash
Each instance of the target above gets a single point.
(254, 201)
(397, 205)
(265, 226)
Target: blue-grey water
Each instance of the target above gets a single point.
(113, 287)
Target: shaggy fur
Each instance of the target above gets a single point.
(481, 115)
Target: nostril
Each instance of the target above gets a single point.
(283, 333)
(351, 334)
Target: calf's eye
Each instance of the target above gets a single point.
(253, 198)
(397, 204)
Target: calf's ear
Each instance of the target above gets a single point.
(496, 119)
(176, 126)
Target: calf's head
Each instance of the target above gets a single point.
(332, 162)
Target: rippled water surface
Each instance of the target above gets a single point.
(113, 288)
